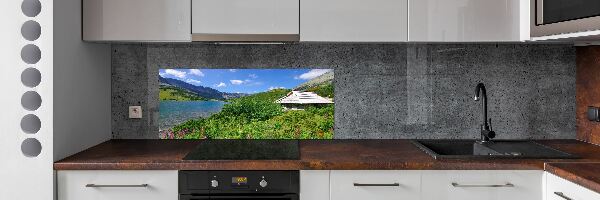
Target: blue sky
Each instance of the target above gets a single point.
(244, 80)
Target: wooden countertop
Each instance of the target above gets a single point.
(584, 174)
(314, 154)
(331, 155)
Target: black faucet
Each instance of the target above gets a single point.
(486, 129)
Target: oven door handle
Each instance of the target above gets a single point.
(245, 196)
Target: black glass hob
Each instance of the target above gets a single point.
(245, 150)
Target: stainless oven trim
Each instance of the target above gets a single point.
(573, 26)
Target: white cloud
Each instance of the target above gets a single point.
(193, 81)
(312, 74)
(221, 84)
(236, 82)
(162, 74)
(253, 76)
(274, 87)
(196, 72)
(175, 73)
(233, 70)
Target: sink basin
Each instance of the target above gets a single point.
(471, 149)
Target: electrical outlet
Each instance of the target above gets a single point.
(135, 112)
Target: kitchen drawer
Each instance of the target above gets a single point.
(482, 185)
(375, 185)
(560, 189)
(162, 185)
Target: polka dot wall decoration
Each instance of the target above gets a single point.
(31, 101)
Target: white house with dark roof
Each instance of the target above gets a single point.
(297, 100)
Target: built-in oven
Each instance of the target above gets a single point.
(553, 17)
(237, 185)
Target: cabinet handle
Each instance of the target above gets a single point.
(114, 186)
(499, 185)
(560, 194)
(376, 184)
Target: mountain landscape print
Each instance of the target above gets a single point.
(246, 103)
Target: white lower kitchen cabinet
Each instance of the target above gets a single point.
(117, 185)
(482, 185)
(560, 189)
(314, 185)
(375, 185)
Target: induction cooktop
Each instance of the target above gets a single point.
(245, 150)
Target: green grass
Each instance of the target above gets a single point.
(324, 90)
(259, 117)
(170, 93)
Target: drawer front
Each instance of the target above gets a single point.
(482, 185)
(560, 189)
(117, 185)
(376, 185)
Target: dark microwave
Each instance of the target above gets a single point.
(555, 17)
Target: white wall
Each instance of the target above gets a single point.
(21, 177)
(82, 107)
(74, 75)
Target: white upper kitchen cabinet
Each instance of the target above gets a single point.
(137, 20)
(469, 20)
(245, 20)
(353, 20)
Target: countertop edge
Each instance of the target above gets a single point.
(573, 177)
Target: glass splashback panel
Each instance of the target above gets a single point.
(246, 103)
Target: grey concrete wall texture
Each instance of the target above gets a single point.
(382, 90)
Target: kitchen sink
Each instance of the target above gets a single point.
(472, 149)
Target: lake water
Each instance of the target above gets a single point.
(176, 112)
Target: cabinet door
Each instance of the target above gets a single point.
(468, 20)
(374, 184)
(220, 18)
(117, 185)
(482, 185)
(136, 20)
(354, 20)
(314, 185)
(561, 189)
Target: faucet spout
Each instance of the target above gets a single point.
(486, 132)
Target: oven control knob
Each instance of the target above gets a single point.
(263, 183)
(214, 183)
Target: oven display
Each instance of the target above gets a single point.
(239, 181)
